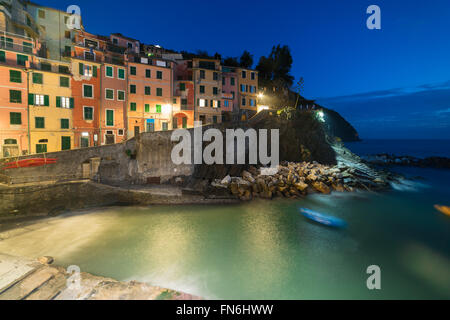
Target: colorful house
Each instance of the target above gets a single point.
(183, 95)
(248, 92)
(230, 97)
(150, 103)
(208, 90)
(113, 103)
(51, 106)
(55, 32)
(16, 55)
(86, 62)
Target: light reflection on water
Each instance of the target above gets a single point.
(264, 249)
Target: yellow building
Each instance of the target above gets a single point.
(51, 106)
(248, 92)
(207, 76)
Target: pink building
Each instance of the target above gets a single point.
(230, 105)
(16, 57)
(133, 45)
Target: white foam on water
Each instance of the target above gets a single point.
(408, 185)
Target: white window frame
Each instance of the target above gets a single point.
(106, 96)
(215, 104)
(65, 102)
(118, 132)
(93, 111)
(106, 74)
(88, 70)
(39, 100)
(118, 95)
(90, 85)
(106, 118)
(202, 101)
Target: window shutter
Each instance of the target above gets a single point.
(81, 69)
(218, 103)
(31, 99)
(58, 102)
(72, 103)
(198, 102)
(46, 101)
(95, 71)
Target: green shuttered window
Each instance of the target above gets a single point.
(15, 118)
(109, 117)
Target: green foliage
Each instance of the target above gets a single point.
(246, 60)
(276, 68)
(231, 62)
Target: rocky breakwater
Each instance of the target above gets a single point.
(296, 180)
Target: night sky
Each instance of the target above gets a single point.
(390, 83)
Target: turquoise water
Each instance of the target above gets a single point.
(264, 249)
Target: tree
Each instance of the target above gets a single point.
(217, 56)
(275, 69)
(231, 62)
(246, 60)
(202, 54)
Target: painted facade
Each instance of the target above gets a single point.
(150, 102)
(55, 33)
(16, 58)
(113, 103)
(183, 95)
(51, 106)
(229, 93)
(208, 90)
(248, 92)
(86, 63)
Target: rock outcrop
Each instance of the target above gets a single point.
(295, 180)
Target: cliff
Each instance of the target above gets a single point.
(337, 126)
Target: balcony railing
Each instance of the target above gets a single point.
(17, 47)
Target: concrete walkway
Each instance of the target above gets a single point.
(25, 279)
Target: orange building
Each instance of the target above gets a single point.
(87, 57)
(208, 90)
(16, 58)
(248, 92)
(183, 96)
(150, 103)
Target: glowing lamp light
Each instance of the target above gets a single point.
(260, 96)
(261, 108)
(321, 116)
(166, 108)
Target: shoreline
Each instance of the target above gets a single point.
(38, 279)
(19, 203)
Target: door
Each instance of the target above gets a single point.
(110, 139)
(136, 131)
(150, 126)
(84, 142)
(65, 143)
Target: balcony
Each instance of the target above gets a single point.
(88, 57)
(7, 43)
(113, 60)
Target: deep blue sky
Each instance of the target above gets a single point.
(331, 46)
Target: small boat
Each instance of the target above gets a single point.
(443, 209)
(26, 163)
(323, 218)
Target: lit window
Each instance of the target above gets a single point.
(202, 103)
(38, 100)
